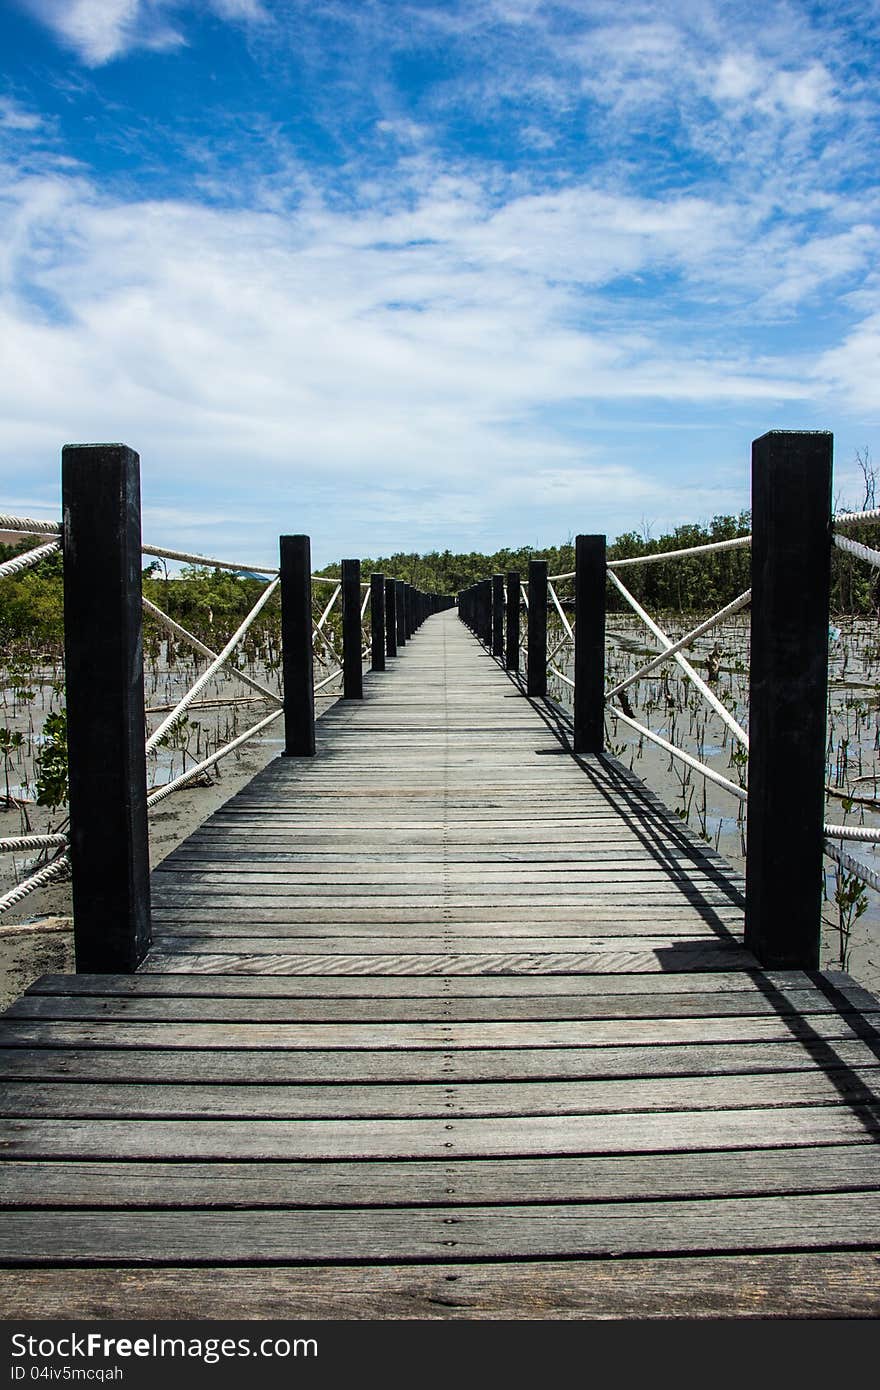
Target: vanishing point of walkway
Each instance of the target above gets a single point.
(442, 1023)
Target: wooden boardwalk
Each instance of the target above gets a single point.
(442, 1023)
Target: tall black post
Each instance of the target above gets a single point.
(791, 558)
(486, 612)
(352, 661)
(377, 622)
(296, 647)
(537, 628)
(400, 607)
(497, 614)
(104, 664)
(390, 617)
(514, 598)
(589, 644)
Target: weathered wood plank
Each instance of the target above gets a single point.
(247, 1065)
(615, 1177)
(440, 1008)
(500, 1136)
(345, 1036)
(441, 1099)
(825, 1285)
(809, 1221)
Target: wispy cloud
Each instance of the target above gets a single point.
(102, 30)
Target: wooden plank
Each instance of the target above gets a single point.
(501, 1136)
(246, 1065)
(146, 985)
(824, 1285)
(611, 957)
(441, 1099)
(810, 1221)
(440, 1036)
(443, 1007)
(615, 1177)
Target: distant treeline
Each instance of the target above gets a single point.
(210, 601)
(697, 585)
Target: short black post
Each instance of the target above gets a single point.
(400, 608)
(390, 617)
(589, 644)
(297, 659)
(103, 647)
(791, 558)
(497, 614)
(537, 629)
(352, 636)
(377, 622)
(514, 599)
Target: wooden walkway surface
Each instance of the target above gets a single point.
(442, 1023)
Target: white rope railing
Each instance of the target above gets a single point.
(867, 833)
(558, 606)
(554, 578)
(41, 879)
(16, 844)
(182, 705)
(726, 612)
(563, 642)
(681, 554)
(555, 671)
(713, 776)
(31, 557)
(318, 633)
(839, 518)
(712, 699)
(206, 561)
(853, 866)
(863, 552)
(28, 525)
(161, 792)
(334, 675)
(199, 646)
(328, 610)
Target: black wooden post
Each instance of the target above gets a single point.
(352, 661)
(791, 557)
(486, 612)
(589, 644)
(514, 599)
(296, 647)
(497, 614)
(537, 628)
(390, 617)
(377, 622)
(103, 646)
(401, 612)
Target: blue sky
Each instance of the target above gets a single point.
(456, 273)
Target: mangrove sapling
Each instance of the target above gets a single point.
(851, 900)
(10, 741)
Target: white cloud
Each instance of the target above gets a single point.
(744, 79)
(13, 116)
(100, 31)
(405, 345)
